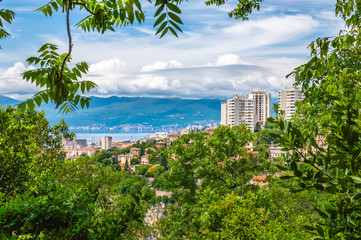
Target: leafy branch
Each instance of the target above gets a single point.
(62, 92)
(168, 18)
(5, 16)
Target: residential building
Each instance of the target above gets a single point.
(106, 142)
(125, 158)
(74, 143)
(261, 105)
(287, 99)
(247, 110)
(135, 151)
(145, 159)
(160, 144)
(275, 152)
(236, 111)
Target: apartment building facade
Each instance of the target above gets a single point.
(106, 142)
(246, 109)
(287, 99)
(262, 105)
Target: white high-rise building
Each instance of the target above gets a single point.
(286, 100)
(106, 142)
(236, 111)
(247, 110)
(262, 105)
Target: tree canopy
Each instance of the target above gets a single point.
(325, 142)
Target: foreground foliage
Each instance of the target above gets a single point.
(213, 198)
(325, 143)
(44, 196)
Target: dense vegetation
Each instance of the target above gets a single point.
(44, 196)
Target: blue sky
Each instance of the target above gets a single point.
(215, 57)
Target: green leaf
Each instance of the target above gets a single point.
(173, 8)
(175, 25)
(37, 100)
(161, 28)
(164, 32)
(30, 104)
(309, 228)
(175, 17)
(160, 19)
(159, 10)
(22, 106)
(356, 179)
(172, 30)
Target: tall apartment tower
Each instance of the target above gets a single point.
(262, 105)
(286, 100)
(238, 110)
(106, 142)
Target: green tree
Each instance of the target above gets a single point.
(274, 213)
(164, 161)
(126, 166)
(325, 143)
(205, 169)
(220, 161)
(5, 16)
(141, 170)
(77, 201)
(29, 148)
(154, 171)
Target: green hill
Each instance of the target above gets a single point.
(115, 111)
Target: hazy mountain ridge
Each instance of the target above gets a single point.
(115, 111)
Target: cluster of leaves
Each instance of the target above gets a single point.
(5, 16)
(242, 11)
(325, 143)
(103, 15)
(60, 82)
(167, 17)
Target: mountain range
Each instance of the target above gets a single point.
(115, 111)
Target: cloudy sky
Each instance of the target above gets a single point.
(215, 57)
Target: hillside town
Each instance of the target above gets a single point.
(252, 110)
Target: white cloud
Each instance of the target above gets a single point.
(12, 84)
(108, 66)
(161, 66)
(272, 30)
(227, 59)
(151, 83)
(16, 71)
(223, 78)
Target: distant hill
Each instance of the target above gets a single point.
(4, 101)
(115, 111)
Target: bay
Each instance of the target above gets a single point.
(117, 136)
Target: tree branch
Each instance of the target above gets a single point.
(84, 5)
(70, 42)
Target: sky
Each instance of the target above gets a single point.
(214, 57)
